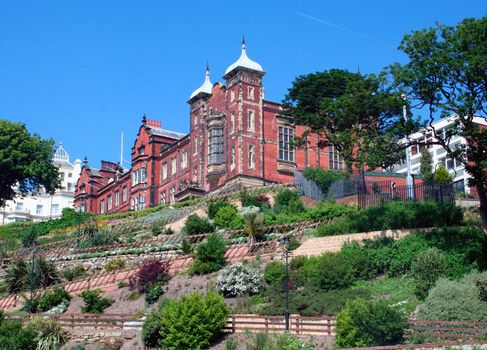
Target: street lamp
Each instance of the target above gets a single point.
(286, 282)
(409, 178)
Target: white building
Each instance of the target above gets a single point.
(454, 167)
(43, 206)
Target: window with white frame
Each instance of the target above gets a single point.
(163, 198)
(232, 159)
(286, 149)
(172, 195)
(109, 202)
(19, 206)
(335, 159)
(250, 93)
(102, 206)
(251, 121)
(232, 123)
(184, 159)
(173, 166)
(232, 96)
(251, 156)
(164, 171)
(124, 194)
(39, 209)
(143, 175)
(215, 145)
(141, 201)
(117, 199)
(55, 209)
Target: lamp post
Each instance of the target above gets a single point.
(31, 279)
(409, 178)
(286, 282)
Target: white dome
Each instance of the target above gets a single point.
(207, 86)
(244, 61)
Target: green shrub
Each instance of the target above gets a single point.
(196, 225)
(73, 272)
(340, 226)
(426, 269)
(39, 273)
(151, 329)
(114, 264)
(274, 272)
(50, 335)
(154, 292)
(327, 211)
(101, 237)
(210, 255)
(455, 300)
(225, 216)
(193, 321)
(404, 252)
(15, 336)
(52, 298)
(248, 200)
(329, 271)
(29, 236)
(286, 197)
(324, 178)
(94, 303)
(367, 323)
(214, 206)
(157, 227)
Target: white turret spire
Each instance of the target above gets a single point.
(207, 86)
(244, 61)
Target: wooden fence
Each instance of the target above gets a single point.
(323, 326)
(106, 321)
(449, 329)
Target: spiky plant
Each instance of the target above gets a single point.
(17, 276)
(50, 335)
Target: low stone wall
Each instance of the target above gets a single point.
(319, 245)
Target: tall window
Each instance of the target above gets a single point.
(195, 118)
(184, 159)
(163, 198)
(124, 194)
(232, 123)
(215, 145)
(143, 175)
(139, 176)
(251, 121)
(195, 175)
(55, 209)
(232, 160)
(173, 166)
(141, 201)
(172, 197)
(164, 171)
(286, 149)
(117, 199)
(335, 159)
(251, 156)
(19, 206)
(250, 94)
(102, 206)
(232, 96)
(109, 202)
(39, 209)
(195, 149)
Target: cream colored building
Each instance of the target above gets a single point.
(43, 206)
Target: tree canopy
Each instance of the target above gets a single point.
(25, 162)
(359, 114)
(446, 76)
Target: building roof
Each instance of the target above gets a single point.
(244, 62)
(166, 133)
(207, 86)
(61, 154)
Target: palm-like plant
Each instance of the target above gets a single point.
(50, 335)
(252, 218)
(40, 273)
(16, 278)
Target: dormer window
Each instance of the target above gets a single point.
(141, 150)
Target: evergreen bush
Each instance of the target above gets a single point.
(94, 303)
(274, 272)
(368, 323)
(193, 321)
(210, 255)
(195, 225)
(225, 216)
(426, 269)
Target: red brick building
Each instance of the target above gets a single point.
(236, 138)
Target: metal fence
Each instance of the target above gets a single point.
(307, 187)
(372, 193)
(344, 187)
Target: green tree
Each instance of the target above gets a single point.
(442, 176)
(426, 166)
(26, 161)
(359, 114)
(446, 77)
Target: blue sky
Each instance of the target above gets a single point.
(82, 72)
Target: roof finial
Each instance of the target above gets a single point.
(85, 161)
(144, 119)
(207, 70)
(244, 46)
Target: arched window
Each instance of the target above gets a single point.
(251, 156)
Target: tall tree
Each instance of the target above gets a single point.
(359, 114)
(447, 76)
(25, 162)
(426, 166)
